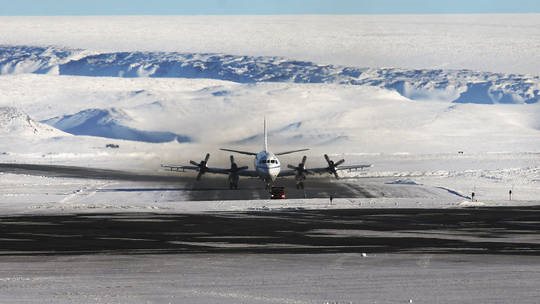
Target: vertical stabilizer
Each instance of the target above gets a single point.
(265, 136)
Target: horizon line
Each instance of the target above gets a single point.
(280, 14)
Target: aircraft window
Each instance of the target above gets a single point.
(273, 161)
(262, 161)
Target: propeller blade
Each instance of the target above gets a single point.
(232, 159)
(199, 175)
(292, 167)
(304, 160)
(339, 162)
(327, 158)
(193, 163)
(336, 175)
(207, 157)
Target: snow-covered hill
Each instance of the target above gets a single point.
(459, 86)
(505, 43)
(109, 123)
(16, 123)
(214, 113)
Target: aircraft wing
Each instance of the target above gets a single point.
(353, 167)
(339, 168)
(284, 173)
(194, 168)
(287, 172)
(248, 173)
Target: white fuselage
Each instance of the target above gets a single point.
(267, 166)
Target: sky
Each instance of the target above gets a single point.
(262, 7)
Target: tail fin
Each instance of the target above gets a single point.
(265, 136)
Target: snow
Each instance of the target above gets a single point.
(441, 106)
(108, 123)
(407, 108)
(356, 119)
(404, 140)
(459, 86)
(498, 43)
(472, 204)
(277, 278)
(14, 122)
(441, 181)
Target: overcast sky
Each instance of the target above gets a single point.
(227, 7)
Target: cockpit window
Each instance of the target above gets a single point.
(268, 161)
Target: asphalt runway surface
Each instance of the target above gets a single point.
(210, 187)
(495, 230)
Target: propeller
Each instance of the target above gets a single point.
(234, 167)
(203, 168)
(301, 170)
(233, 174)
(332, 166)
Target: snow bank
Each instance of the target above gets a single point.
(471, 204)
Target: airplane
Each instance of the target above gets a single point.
(267, 167)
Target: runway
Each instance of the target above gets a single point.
(291, 255)
(210, 187)
(511, 230)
